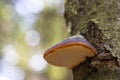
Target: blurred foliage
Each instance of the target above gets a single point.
(8, 30)
(51, 27)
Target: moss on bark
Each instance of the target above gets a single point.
(106, 13)
(99, 22)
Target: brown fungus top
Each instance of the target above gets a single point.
(70, 52)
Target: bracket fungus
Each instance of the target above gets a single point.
(70, 52)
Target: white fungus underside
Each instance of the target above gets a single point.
(69, 57)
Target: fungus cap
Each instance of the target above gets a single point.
(70, 52)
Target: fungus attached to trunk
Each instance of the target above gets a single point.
(70, 52)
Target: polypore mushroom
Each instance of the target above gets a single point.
(70, 52)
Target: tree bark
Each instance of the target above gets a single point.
(99, 22)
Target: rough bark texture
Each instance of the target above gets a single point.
(99, 22)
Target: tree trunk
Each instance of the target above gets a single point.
(99, 22)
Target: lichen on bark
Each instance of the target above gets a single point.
(99, 22)
(105, 12)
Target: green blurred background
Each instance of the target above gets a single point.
(27, 29)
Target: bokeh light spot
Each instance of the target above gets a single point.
(35, 6)
(26, 7)
(32, 38)
(10, 55)
(4, 78)
(21, 9)
(37, 63)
